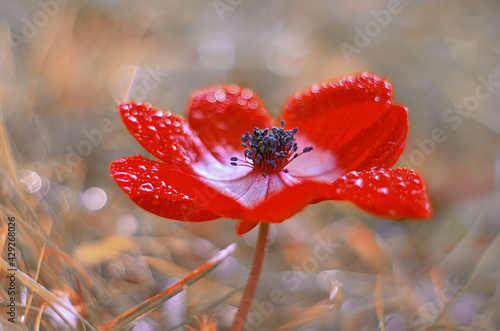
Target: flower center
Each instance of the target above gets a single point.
(269, 151)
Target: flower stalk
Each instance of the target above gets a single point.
(253, 278)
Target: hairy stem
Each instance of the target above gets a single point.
(253, 278)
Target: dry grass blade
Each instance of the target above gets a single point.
(150, 304)
(379, 304)
(212, 304)
(38, 319)
(46, 295)
(481, 261)
(30, 298)
(204, 286)
(315, 312)
(8, 159)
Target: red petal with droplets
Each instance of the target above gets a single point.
(164, 190)
(165, 135)
(354, 117)
(222, 113)
(393, 193)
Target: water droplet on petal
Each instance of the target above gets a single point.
(147, 187)
(315, 88)
(241, 101)
(211, 98)
(220, 95)
(246, 93)
(383, 190)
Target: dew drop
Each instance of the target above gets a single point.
(211, 98)
(315, 88)
(241, 101)
(246, 93)
(220, 95)
(147, 187)
(253, 104)
(383, 190)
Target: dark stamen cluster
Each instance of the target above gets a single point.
(269, 151)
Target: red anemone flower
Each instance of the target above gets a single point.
(335, 140)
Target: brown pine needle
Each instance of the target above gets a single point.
(152, 303)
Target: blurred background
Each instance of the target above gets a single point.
(65, 63)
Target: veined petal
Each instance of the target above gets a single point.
(165, 135)
(282, 205)
(222, 113)
(168, 191)
(393, 193)
(172, 192)
(354, 117)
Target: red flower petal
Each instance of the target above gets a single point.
(393, 193)
(243, 227)
(282, 205)
(165, 135)
(222, 113)
(165, 190)
(352, 116)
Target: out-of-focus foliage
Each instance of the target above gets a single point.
(63, 66)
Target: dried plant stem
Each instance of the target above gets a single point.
(150, 304)
(253, 278)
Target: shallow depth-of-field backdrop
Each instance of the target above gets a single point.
(63, 66)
